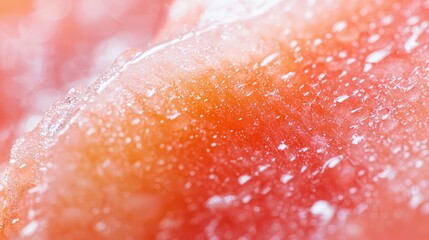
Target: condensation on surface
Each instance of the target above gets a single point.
(51, 46)
(303, 131)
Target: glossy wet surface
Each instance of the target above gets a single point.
(298, 121)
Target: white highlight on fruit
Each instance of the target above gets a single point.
(378, 56)
(220, 201)
(243, 179)
(282, 146)
(269, 59)
(29, 229)
(285, 178)
(332, 162)
(322, 209)
(341, 98)
(411, 42)
(339, 26)
(357, 139)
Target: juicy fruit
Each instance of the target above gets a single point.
(49, 45)
(314, 127)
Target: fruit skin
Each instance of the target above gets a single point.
(147, 150)
(52, 45)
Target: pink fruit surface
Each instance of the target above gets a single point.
(282, 119)
(47, 46)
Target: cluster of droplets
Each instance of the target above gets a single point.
(51, 46)
(358, 78)
(303, 140)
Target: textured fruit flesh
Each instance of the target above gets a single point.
(301, 120)
(49, 45)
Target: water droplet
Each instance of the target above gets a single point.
(29, 229)
(387, 20)
(378, 56)
(293, 44)
(367, 67)
(308, 14)
(288, 76)
(263, 167)
(341, 98)
(220, 201)
(285, 178)
(135, 121)
(373, 38)
(322, 209)
(269, 59)
(243, 179)
(100, 226)
(339, 26)
(424, 209)
(282, 146)
(317, 42)
(357, 139)
(388, 172)
(413, 20)
(350, 61)
(411, 42)
(419, 164)
(332, 162)
(247, 198)
(174, 116)
(415, 201)
(150, 92)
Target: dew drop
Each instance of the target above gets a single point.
(247, 198)
(424, 209)
(29, 229)
(332, 162)
(373, 38)
(288, 76)
(220, 201)
(263, 167)
(387, 20)
(388, 172)
(411, 42)
(282, 146)
(378, 56)
(135, 121)
(413, 20)
(357, 139)
(322, 209)
(269, 59)
(285, 178)
(419, 163)
(339, 26)
(341, 98)
(244, 179)
(174, 116)
(367, 67)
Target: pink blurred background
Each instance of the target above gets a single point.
(47, 46)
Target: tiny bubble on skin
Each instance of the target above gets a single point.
(342, 98)
(282, 146)
(332, 162)
(339, 26)
(29, 229)
(323, 209)
(244, 179)
(378, 56)
(285, 178)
